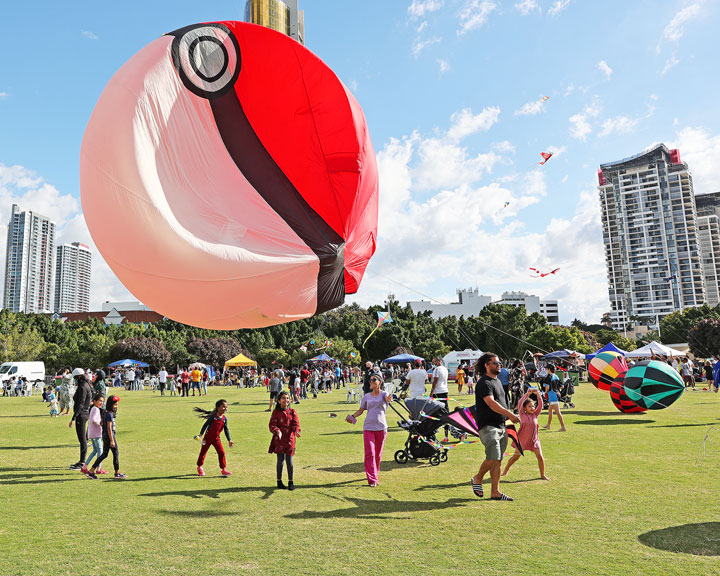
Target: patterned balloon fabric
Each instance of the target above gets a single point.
(605, 367)
(620, 399)
(653, 385)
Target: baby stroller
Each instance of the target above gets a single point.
(566, 393)
(423, 422)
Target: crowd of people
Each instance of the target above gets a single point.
(503, 395)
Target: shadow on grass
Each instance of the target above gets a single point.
(683, 425)
(612, 422)
(266, 490)
(588, 413)
(197, 513)
(38, 447)
(359, 467)
(701, 539)
(75, 475)
(380, 509)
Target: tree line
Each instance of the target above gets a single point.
(507, 330)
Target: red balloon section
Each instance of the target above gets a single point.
(620, 399)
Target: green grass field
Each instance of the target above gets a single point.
(625, 498)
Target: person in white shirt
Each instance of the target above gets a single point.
(439, 389)
(162, 380)
(416, 378)
(686, 369)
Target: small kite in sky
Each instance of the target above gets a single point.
(539, 274)
(546, 156)
(544, 98)
(503, 208)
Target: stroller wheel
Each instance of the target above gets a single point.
(435, 460)
(443, 456)
(401, 457)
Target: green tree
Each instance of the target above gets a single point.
(704, 338)
(20, 344)
(551, 338)
(674, 327)
(272, 357)
(149, 350)
(214, 351)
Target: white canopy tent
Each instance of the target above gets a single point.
(654, 349)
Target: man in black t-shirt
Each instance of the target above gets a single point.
(491, 411)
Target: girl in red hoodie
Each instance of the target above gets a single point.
(285, 427)
(215, 422)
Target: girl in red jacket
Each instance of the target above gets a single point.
(215, 422)
(285, 427)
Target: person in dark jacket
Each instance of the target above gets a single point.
(81, 413)
(215, 423)
(285, 427)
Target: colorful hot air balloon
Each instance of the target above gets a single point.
(228, 178)
(653, 385)
(605, 367)
(620, 399)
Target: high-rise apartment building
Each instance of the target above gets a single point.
(29, 262)
(281, 15)
(72, 278)
(708, 219)
(650, 235)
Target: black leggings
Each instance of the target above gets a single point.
(81, 421)
(285, 458)
(106, 449)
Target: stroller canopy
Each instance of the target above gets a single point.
(423, 404)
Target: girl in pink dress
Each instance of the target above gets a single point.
(529, 411)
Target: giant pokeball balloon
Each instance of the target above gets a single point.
(228, 178)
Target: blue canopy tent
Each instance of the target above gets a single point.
(128, 362)
(609, 347)
(563, 354)
(402, 359)
(321, 358)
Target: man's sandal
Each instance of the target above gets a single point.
(504, 497)
(477, 489)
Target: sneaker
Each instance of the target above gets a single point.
(119, 475)
(201, 472)
(101, 471)
(91, 475)
(77, 466)
(225, 472)
(84, 469)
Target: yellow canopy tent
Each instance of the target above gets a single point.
(240, 360)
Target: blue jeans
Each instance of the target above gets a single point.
(97, 448)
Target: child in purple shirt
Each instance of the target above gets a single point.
(374, 428)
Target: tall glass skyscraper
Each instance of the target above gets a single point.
(29, 262)
(649, 222)
(281, 15)
(708, 217)
(72, 278)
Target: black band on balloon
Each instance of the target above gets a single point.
(261, 170)
(191, 51)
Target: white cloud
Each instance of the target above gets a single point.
(444, 65)
(420, 44)
(558, 6)
(605, 69)
(3, 95)
(676, 27)
(580, 126)
(464, 122)
(618, 125)
(437, 259)
(527, 7)
(21, 186)
(670, 63)
(564, 179)
(89, 35)
(475, 14)
(420, 8)
(701, 150)
(504, 147)
(421, 28)
(531, 108)
(353, 85)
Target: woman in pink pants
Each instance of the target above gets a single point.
(374, 428)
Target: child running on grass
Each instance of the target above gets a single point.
(215, 422)
(109, 440)
(95, 431)
(528, 434)
(285, 427)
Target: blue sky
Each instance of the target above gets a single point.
(451, 90)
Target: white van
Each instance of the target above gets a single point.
(454, 359)
(33, 371)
